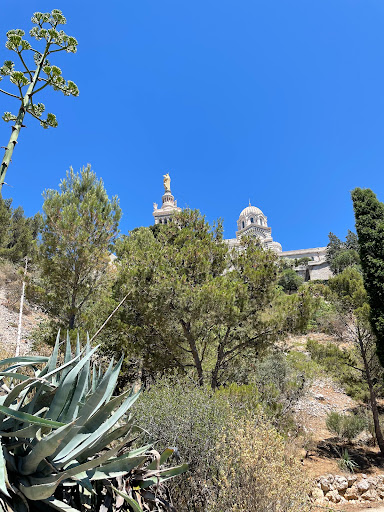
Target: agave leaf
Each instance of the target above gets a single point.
(3, 473)
(106, 440)
(66, 386)
(24, 360)
(16, 391)
(91, 424)
(51, 365)
(43, 449)
(133, 504)
(59, 505)
(160, 476)
(95, 401)
(14, 375)
(78, 350)
(86, 466)
(163, 458)
(25, 433)
(119, 466)
(101, 430)
(78, 394)
(68, 350)
(30, 418)
(40, 492)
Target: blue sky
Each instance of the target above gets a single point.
(280, 102)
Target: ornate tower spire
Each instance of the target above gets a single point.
(169, 204)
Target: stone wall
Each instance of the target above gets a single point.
(348, 487)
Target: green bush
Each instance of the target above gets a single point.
(177, 412)
(345, 426)
(336, 362)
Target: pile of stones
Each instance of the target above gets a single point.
(342, 488)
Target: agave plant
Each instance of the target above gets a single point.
(66, 441)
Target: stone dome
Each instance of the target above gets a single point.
(251, 210)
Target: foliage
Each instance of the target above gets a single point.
(177, 411)
(369, 216)
(341, 255)
(346, 463)
(56, 427)
(258, 473)
(80, 224)
(17, 233)
(290, 281)
(335, 361)
(36, 75)
(194, 303)
(345, 426)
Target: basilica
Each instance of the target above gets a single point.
(252, 221)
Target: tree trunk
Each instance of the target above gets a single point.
(372, 397)
(195, 353)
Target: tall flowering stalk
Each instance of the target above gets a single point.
(29, 81)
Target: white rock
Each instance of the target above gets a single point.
(363, 486)
(333, 496)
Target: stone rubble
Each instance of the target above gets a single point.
(342, 488)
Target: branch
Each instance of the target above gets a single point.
(54, 51)
(40, 88)
(354, 367)
(245, 344)
(10, 94)
(24, 64)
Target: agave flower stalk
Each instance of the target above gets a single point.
(29, 81)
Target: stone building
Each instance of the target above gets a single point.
(253, 222)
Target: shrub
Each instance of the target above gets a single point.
(345, 426)
(198, 420)
(335, 361)
(257, 473)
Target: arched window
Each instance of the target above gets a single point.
(243, 225)
(251, 220)
(165, 221)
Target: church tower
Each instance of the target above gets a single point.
(169, 204)
(253, 222)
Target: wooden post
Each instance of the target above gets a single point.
(18, 342)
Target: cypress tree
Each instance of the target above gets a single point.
(369, 216)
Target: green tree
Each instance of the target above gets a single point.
(34, 78)
(341, 255)
(369, 216)
(195, 304)
(18, 233)
(351, 300)
(80, 224)
(290, 281)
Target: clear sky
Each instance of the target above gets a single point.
(276, 101)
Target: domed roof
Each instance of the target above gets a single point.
(249, 210)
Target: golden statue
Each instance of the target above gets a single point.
(167, 182)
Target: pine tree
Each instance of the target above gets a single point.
(369, 216)
(80, 226)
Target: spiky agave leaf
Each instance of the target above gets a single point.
(64, 436)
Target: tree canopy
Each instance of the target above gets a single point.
(369, 216)
(80, 224)
(196, 304)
